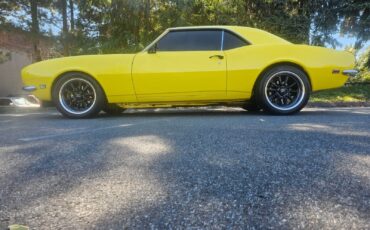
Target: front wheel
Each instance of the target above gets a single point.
(76, 95)
(283, 90)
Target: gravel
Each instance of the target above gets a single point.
(201, 168)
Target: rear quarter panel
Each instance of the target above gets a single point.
(113, 73)
(245, 65)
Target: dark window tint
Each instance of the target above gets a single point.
(232, 41)
(188, 40)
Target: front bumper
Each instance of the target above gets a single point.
(350, 72)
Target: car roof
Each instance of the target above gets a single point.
(253, 35)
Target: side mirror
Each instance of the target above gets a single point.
(153, 49)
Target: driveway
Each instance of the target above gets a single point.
(218, 168)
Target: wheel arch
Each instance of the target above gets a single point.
(59, 76)
(288, 63)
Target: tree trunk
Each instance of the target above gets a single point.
(147, 16)
(35, 31)
(304, 11)
(71, 9)
(65, 36)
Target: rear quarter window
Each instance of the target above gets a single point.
(232, 41)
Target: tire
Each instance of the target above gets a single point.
(283, 90)
(77, 95)
(113, 109)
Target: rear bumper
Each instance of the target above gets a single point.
(350, 72)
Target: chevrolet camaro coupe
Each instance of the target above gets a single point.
(192, 66)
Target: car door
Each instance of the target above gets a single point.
(184, 65)
(241, 74)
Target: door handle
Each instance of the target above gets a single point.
(217, 56)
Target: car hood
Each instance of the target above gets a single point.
(90, 64)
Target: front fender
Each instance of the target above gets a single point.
(112, 72)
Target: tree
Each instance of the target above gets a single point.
(355, 16)
(6, 7)
(71, 11)
(35, 29)
(65, 32)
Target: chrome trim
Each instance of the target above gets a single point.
(350, 72)
(146, 49)
(29, 88)
(222, 40)
(194, 28)
(210, 28)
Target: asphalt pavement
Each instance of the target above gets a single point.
(198, 168)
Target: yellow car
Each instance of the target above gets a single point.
(192, 66)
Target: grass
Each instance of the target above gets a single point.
(348, 93)
(366, 76)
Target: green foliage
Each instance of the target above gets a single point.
(5, 8)
(363, 65)
(116, 26)
(129, 25)
(350, 93)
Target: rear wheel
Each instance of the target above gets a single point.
(283, 90)
(76, 95)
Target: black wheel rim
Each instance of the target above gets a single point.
(77, 96)
(284, 90)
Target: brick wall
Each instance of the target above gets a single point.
(21, 41)
(15, 41)
(16, 51)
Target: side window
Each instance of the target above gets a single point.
(190, 40)
(232, 41)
